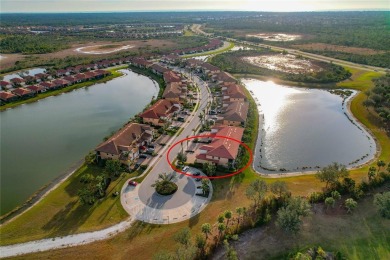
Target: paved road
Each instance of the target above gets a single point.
(197, 29)
(187, 185)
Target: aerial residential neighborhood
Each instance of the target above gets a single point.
(194, 130)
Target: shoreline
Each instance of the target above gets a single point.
(65, 89)
(350, 116)
(42, 192)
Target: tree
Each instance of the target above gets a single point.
(113, 167)
(200, 243)
(256, 191)
(210, 169)
(181, 157)
(279, 188)
(382, 202)
(371, 174)
(86, 196)
(183, 236)
(221, 218)
(332, 173)
(221, 229)
(350, 204)
(336, 195)
(231, 254)
(289, 218)
(239, 211)
(186, 252)
(206, 229)
(205, 186)
(164, 184)
(228, 215)
(329, 202)
(380, 164)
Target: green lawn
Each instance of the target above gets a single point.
(214, 52)
(60, 213)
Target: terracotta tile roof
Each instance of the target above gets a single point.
(6, 95)
(4, 83)
(46, 84)
(21, 91)
(222, 147)
(161, 108)
(70, 79)
(17, 80)
(171, 76)
(224, 77)
(80, 76)
(173, 90)
(159, 68)
(41, 75)
(236, 111)
(126, 139)
(210, 67)
(233, 91)
(35, 88)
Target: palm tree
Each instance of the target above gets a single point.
(206, 229)
(239, 211)
(228, 216)
(380, 164)
(162, 179)
(205, 186)
(221, 228)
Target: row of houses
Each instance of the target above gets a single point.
(230, 117)
(212, 45)
(28, 91)
(129, 142)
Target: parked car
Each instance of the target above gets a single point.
(186, 168)
(180, 119)
(136, 166)
(196, 174)
(143, 156)
(189, 151)
(198, 179)
(133, 183)
(212, 112)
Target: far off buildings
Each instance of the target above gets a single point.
(160, 113)
(221, 151)
(125, 144)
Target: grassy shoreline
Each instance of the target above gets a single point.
(114, 74)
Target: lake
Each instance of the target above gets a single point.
(305, 129)
(43, 140)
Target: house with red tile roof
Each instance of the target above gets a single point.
(5, 84)
(223, 77)
(208, 69)
(17, 81)
(141, 63)
(232, 92)
(160, 113)
(171, 76)
(175, 91)
(221, 151)
(159, 70)
(46, 85)
(36, 89)
(235, 113)
(172, 59)
(80, 77)
(125, 144)
(42, 77)
(23, 92)
(6, 96)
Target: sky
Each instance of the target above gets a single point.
(61, 6)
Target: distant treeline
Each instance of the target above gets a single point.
(379, 98)
(232, 62)
(32, 44)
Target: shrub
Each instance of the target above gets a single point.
(382, 202)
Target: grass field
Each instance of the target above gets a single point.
(214, 52)
(142, 240)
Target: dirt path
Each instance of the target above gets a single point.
(62, 242)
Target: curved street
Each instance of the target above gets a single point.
(143, 202)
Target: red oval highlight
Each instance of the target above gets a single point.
(212, 136)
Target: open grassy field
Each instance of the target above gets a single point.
(142, 240)
(227, 47)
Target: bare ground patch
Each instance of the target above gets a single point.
(284, 63)
(276, 37)
(337, 48)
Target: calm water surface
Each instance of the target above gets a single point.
(42, 140)
(302, 128)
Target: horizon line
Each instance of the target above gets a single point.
(201, 11)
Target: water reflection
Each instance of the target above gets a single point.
(303, 129)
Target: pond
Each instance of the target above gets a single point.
(306, 129)
(43, 140)
(30, 72)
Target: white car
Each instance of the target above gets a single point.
(186, 168)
